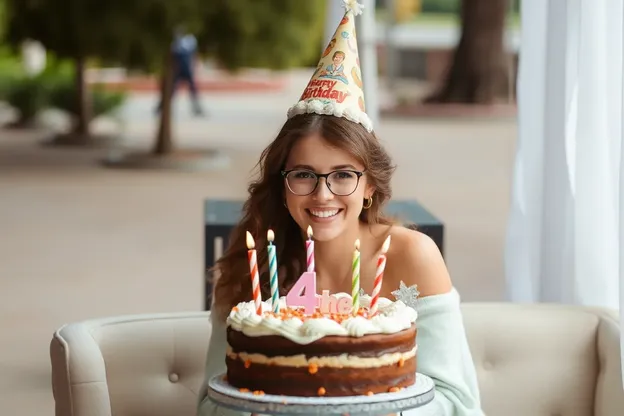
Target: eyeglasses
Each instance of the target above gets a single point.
(303, 182)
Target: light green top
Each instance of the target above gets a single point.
(443, 355)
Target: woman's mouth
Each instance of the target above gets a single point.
(326, 214)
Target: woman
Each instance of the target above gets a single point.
(327, 169)
(334, 175)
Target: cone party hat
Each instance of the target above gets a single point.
(336, 85)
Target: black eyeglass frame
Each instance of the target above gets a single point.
(318, 176)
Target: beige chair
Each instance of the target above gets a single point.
(532, 361)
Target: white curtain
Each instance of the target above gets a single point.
(565, 240)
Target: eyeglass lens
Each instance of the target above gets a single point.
(304, 182)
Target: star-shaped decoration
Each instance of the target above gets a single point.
(407, 295)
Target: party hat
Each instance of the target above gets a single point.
(336, 85)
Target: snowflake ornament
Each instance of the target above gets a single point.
(407, 295)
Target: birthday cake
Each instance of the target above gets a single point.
(292, 353)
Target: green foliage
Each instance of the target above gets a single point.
(63, 97)
(28, 96)
(273, 34)
(440, 6)
(137, 33)
(149, 26)
(2, 19)
(69, 28)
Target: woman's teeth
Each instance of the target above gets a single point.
(324, 213)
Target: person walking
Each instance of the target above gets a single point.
(184, 51)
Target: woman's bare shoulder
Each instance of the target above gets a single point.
(414, 258)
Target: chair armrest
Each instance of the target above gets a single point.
(79, 381)
(609, 389)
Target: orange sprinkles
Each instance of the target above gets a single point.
(401, 362)
(321, 391)
(299, 313)
(247, 363)
(243, 390)
(258, 393)
(394, 389)
(313, 368)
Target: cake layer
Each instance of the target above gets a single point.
(337, 361)
(321, 381)
(367, 346)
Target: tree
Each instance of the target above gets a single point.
(479, 70)
(138, 34)
(77, 30)
(274, 34)
(153, 26)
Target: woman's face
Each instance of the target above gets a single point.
(329, 213)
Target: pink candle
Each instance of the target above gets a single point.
(253, 267)
(381, 265)
(310, 251)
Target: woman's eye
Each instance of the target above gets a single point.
(345, 175)
(304, 175)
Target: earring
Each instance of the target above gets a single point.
(368, 202)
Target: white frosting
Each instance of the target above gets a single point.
(331, 109)
(391, 317)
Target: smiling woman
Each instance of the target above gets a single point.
(327, 170)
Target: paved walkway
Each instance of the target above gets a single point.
(79, 241)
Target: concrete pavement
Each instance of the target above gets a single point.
(79, 241)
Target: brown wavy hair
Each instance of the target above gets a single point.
(265, 208)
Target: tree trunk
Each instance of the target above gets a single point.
(478, 73)
(83, 116)
(164, 140)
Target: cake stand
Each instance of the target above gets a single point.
(419, 394)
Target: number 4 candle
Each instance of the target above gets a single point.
(253, 268)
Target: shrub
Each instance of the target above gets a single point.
(28, 96)
(63, 97)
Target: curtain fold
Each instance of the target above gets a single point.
(565, 237)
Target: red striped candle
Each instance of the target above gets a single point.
(381, 265)
(310, 251)
(253, 268)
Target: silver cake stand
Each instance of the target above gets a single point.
(417, 395)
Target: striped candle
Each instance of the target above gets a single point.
(273, 272)
(310, 251)
(355, 280)
(253, 268)
(381, 265)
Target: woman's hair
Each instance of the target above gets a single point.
(265, 208)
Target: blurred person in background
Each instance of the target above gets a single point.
(184, 50)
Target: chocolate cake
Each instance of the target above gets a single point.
(294, 354)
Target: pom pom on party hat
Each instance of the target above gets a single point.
(336, 85)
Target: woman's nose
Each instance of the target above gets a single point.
(322, 191)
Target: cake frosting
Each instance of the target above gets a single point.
(392, 317)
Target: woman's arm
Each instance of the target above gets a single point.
(443, 351)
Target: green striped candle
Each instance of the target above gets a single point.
(273, 272)
(355, 281)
